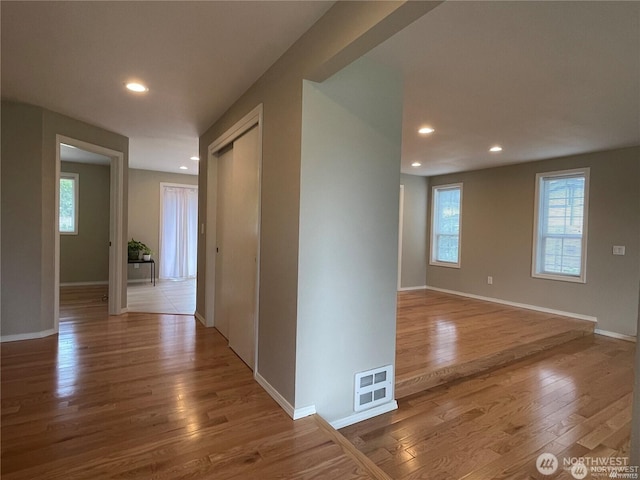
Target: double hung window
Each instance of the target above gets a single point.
(445, 225)
(68, 215)
(560, 229)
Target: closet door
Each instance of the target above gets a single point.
(223, 240)
(244, 198)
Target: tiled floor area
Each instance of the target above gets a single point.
(168, 296)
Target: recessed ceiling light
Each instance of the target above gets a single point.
(426, 130)
(137, 87)
(195, 157)
(183, 168)
(416, 164)
(495, 149)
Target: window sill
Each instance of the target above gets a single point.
(559, 278)
(444, 264)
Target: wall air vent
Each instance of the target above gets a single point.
(373, 387)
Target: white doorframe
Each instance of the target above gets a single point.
(400, 228)
(116, 227)
(250, 120)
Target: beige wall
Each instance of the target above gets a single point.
(414, 231)
(635, 424)
(348, 244)
(21, 220)
(348, 30)
(29, 215)
(84, 258)
(635, 432)
(497, 233)
(144, 211)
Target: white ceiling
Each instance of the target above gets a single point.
(543, 79)
(72, 154)
(196, 58)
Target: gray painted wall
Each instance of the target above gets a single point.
(348, 244)
(29, 213)
(343, 34)
(635, 432)
(497, 234)
(21, 219)
(85, 257)
(144, 211)
(415, 253)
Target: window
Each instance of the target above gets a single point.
(68, 215)
(445, 225)
(560, 230)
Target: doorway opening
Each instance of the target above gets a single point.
(163, 209)
(95, 244)
(175, 262)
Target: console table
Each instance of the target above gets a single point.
(152, 267)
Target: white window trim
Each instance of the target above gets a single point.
(432, 259)
(582, 278)
(76, 178)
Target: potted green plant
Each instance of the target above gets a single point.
(135, 249)
(146, 254)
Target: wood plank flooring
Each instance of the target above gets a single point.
(159, 396)
(572, 400)
(442, 337)
(149, 396)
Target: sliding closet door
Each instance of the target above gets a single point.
(224, 241)
(244, 228)
(237, 244)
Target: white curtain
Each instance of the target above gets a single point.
(179, 232)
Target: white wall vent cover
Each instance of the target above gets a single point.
(373, 387)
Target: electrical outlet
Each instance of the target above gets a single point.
(490, 280)
(136, 265)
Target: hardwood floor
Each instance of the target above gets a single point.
(573, 401)
(442, 337)
(87, 302)
(149, 396)
(159, 396)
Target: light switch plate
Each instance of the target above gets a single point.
(618, 249)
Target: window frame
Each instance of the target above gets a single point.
(76, 195)
(433, 248)
(537, 256)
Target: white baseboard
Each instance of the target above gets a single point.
(80, 284)
(201, 318)
(578, 316)
(294, 413)
(365, 415)
(27, 336)
(620, 336)
(408, 289)
(304, 412)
